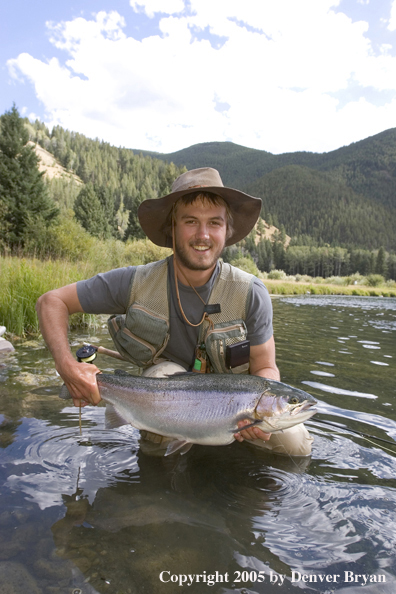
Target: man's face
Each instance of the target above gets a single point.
(200, 234)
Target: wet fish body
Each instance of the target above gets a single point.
(202, 409)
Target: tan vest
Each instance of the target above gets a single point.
(141, 335)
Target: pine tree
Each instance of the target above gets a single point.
(89, 212)
(24, 200)
(380, 265)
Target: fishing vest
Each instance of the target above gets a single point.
(142, 334)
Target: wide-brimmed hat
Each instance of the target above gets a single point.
(245, 209)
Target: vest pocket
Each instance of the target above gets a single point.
(217, 341)
(127, 332)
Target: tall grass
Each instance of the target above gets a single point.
(23, 280)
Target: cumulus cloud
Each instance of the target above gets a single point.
(151, 7)
(267, 75)
(392, 19)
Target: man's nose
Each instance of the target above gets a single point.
(203, 230)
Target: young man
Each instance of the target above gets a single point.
(186, 309)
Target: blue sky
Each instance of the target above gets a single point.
(162, 75)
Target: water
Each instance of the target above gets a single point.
(90, 513)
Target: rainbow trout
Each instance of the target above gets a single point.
(203, 409)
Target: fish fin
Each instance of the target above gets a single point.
(122, 372)
(113, 419)
(252, 424)
(64, 393)
(177, 445)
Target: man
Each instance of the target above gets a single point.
(189, 309)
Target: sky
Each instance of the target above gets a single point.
(162, 75)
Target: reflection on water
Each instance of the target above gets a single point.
(91, 513)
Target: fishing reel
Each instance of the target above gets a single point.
(87, 354)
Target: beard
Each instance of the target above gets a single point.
(198, 263)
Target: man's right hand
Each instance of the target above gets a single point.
(53, 310)
(80, 380)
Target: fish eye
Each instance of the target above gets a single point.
(294, 400)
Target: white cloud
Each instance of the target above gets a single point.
(392, 19)
(150, 7)
(278, 66)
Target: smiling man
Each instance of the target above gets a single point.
(190, 311)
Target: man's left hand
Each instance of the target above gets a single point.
(250, 434)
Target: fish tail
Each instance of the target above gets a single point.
(64, 393)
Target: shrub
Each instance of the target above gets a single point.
(277, 275)
(374, 280)
(246, 264)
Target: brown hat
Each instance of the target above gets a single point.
(245, 209)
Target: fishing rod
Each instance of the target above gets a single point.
(340, 426)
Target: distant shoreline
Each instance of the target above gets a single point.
(286, 288)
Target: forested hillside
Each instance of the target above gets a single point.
(345, 197)
(311, 203)
(116, 179)
(338, 208)
(368, 166)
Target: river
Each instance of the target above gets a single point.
(90, 513)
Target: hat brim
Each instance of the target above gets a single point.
(245, 210)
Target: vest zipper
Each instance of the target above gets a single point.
(141, 340)
(151, 313)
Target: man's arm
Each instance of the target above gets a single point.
(262, 363)
(262, 360)
(53, 310)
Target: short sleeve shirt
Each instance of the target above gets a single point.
(108, 293)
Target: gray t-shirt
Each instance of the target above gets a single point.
(108, 292)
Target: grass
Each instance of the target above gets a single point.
(23, 280)
(284, 287)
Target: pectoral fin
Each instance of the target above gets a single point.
(180, 446)
(113, 419)
(252, 424)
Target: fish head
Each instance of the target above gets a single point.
(281, 406)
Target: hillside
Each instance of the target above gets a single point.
(345, 197)
(311, 203)
(238, 165)
(51, 167)
(368, 166)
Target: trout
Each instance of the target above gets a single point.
(202, 409)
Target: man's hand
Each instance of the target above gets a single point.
(250, 434)
(53, 310)
(80, 380)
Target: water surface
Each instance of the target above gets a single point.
(92, 513)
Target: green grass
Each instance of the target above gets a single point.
(283, 287)
(23, 280)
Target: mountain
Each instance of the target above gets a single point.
(343, 197)
(312, 203)
(237, 165)
(367, 166)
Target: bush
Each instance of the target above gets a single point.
(246, 264)
(277, 275)
(374, 280)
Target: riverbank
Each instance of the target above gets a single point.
(282, 287)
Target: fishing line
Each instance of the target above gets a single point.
(366, 436)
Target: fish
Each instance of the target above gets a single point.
(202, 409)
